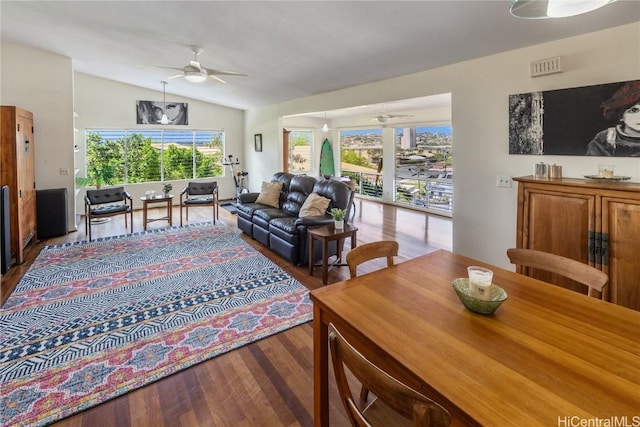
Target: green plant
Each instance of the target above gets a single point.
(338, 214)
(167, 187)
(97, 176)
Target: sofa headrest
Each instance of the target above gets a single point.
(300, 188)
(284, 178)
(338, 192)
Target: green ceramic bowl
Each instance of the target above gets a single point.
(498, 296)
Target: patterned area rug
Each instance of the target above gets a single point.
(92, 321)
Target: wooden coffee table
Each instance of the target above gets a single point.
(146, 200)
(326, 234)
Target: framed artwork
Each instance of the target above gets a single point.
(600, 120)
(150, 112)
(257, 139)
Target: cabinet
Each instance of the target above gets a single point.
(594, 222)
(18, 173)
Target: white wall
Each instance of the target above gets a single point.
(107, 104)
(42, 82)
(485, 216)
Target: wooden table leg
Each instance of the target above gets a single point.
(320, 369)
(325, 261)
(144, 215)
(311, 254)
(170, 213)
(353, 240)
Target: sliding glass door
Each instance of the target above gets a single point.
(424, 167)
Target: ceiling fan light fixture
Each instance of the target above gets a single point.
(325, 126)
(195, 76)
(383, 119)
(540, 9)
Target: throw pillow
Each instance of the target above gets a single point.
(314, 205)
(270, 194)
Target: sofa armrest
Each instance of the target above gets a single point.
(248, 197)
(312, 221)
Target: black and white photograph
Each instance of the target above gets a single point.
(152, 112)
(599, 120)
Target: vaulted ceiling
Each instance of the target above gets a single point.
(288, 49)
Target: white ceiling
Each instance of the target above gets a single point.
(289, 49)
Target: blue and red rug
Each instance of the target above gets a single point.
(92, 321)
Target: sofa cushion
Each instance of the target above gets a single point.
(314, 205)
(264, 216)
(285, 228)
(247, 209)
(270, 194)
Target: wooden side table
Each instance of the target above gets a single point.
(326, 234)
(168, 199)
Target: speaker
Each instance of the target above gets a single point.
(51, 210)
(5, 231)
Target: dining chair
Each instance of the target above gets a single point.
(107, 202)
(199, 194)
(368, 251)
(396, 404)
(595, 280)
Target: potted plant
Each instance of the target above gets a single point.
(166, 188)
(338, 217)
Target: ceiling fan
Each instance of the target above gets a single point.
(384, 118)
(196, 73)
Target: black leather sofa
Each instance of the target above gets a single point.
(282, 229)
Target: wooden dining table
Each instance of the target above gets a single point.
(547, 357)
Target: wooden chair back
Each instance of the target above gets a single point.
(594, 279)
(363, 253)
(401, 404)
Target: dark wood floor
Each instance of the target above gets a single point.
(266, 383)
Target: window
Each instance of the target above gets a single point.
(300, 151)
(361, 159)
(424, 168)
(136, 156)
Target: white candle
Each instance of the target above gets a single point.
(480, 282)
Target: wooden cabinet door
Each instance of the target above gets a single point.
(560, 223)
(621, 227)
(25, 162)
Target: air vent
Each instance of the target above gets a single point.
(546, 66)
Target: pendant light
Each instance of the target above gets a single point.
(539, 9)
(325, 126)
(164, 120)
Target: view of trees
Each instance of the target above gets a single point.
(136, 158)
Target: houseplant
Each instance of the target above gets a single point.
(338, 217)
(166, 188)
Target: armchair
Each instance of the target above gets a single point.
(199, 194)
(107, 202)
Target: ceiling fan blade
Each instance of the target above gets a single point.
(175, 77)
(211, 72)
(168, 68)
(217, 78)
